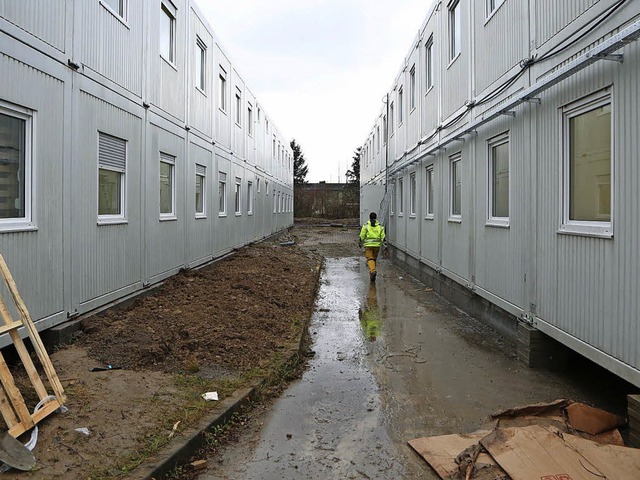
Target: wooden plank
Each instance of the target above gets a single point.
(34, 336)
(46, 410)
(6, 409)
(11, 326)
(32, 372)
(440, 452)
(533, 452)
(14, 395)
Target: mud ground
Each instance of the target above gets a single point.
(213, 329)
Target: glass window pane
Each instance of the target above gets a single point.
(430, 192)
(166, 185)
(166, 34)
(199, 194)
(109, 192)
(222, 192)
(590, 166)
(500, 186)
(456, 182)
(412, 186)
(116, 5)
(12, 167)
(237, 193)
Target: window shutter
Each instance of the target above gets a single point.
(167, 158)
(112, 152)
(201, 170)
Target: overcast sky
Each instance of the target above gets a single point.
(318, 67)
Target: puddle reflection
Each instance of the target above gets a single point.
(370, 315)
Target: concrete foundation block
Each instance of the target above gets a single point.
(60, 335)
(633, 415)
(537, 350)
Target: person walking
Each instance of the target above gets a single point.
(372, 236)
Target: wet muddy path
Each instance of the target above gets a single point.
(393, 362)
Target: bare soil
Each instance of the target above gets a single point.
(214, 329)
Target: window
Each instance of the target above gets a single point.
(455, 30)
(587, 167)
(266, 187)
(238, 107)
(378, 133)
(273, 147)
(429, 187)
(492, 6)
(266, 126)
(222, 194)
(201, 64)
(168, 31)
(119, 7)
(112, 166)
(401, 196)
(400, 106)
(412, 88)
(237, 196)
(391, 118)
(258, 185)
(275, 201)
(250, 120)
(498, 187)
(259, 115)
(428, 61)
(249, 198)
(167, 186)
(455, 187)
(412, 195)
(392, 195)
(201, 175)
(223, 89)
(16, 127)
(384, 128)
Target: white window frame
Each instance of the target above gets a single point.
(412, 89)
(29, 117)
(579, 227)
(400, 106)
(428, 59)
(168, 159)
(401, 197)
(385, 129)
(391, 119)
(429, 193)
(455, 30)
(257, 185)
(238, 107)
(112, 219)
(392, 203)
(237, 196)
(201, 171)
(222, 194)
(222, 97)
(275, 201)
(167, 8)
(249, 119)
(491, 7)
(201, 65)
(249, 198)
(124, 5)
(496, 141)
(413, 195)
(453, 160)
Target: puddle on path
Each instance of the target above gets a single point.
(393, 362)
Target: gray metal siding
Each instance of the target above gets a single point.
(202, 103)
(102, 258)
(46, 21)
(565, 12)
(110, 47)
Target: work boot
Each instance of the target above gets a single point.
(372, 276)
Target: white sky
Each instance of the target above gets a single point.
(318, 67)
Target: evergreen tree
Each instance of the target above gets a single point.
(353, 174)
(300, 169)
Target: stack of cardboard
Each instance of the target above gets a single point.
(561, 440)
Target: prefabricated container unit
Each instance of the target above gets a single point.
(509, 154)
(130, 147)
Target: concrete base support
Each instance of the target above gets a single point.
(60, 334)
(537, 350)
(633, 414)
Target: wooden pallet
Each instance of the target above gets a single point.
(12, 404)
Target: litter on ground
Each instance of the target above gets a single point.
(560, 440)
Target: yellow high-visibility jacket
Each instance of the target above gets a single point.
(372, 235)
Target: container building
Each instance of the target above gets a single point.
(130, 148)
(504, 160)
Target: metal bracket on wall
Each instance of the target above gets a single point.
(613, 57)
(528, 319)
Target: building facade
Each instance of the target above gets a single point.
(506, 157)
(130, 147)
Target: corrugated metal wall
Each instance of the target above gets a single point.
(580, 289)
(66, 261)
